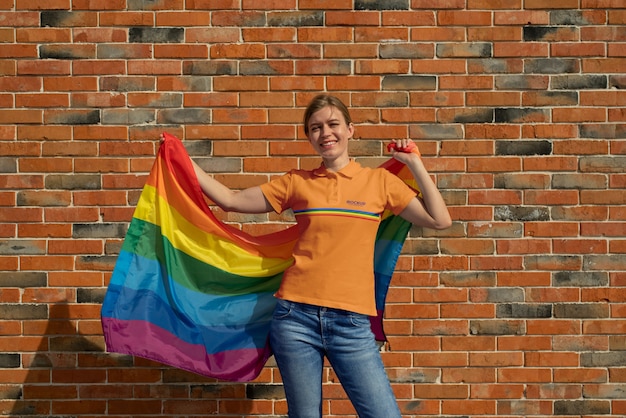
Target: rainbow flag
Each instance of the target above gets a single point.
(194, 293)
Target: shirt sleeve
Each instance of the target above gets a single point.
(277, 192)
(399, 194)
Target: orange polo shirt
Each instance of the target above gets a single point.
(338, 214)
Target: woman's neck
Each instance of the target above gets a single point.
(336, 164)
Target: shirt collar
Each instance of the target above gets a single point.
(348, 171)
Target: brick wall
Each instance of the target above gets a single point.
(517, 310)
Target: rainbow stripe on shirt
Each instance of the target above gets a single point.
(339, 212)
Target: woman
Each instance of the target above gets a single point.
(326, 296)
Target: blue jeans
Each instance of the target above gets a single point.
(301, 335)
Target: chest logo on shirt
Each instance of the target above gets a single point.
(355, 203)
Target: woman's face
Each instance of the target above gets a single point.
(329, 133)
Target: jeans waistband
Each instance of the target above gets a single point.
(315, 309)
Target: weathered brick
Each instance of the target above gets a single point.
(63, 18)
(8, 165)
(11, 392)
(23, 279)
(498, 295)
(128, 116)
(184, 116)
(550, 98)
(521, 181)
(296, 19)
(602, 131)
(125, 84)
(497, 327)
(581, 310)
(494, 65)
(381, 5)
(220, 165)
(409, 82)
(99, 230)
(470, 50)
(466, 115)
(584, 407)
(124, 51)
(579, 82)
(156, 35)
(264, 68)
(185, 84)
(10, 361)
(74, 182)
(550, 33)
(551, 66)
(23, 311)
(521, 115)
(470, 279)
(521, 213)
(576, 17)
(89, 295)
(579, 181)
(436, 131)
(44, 198)
(604, 262)
(521, 82)
(260, 391)
(523, 147)
(67, 51)
(199, 148)
(405, 50)
(21, 246)
(603, 164)
(523, 310)
(73, 117)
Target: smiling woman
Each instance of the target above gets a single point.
(325, 299)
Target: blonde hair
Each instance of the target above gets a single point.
(321, 101)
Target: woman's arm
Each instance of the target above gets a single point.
(430, 211)
(249, 200)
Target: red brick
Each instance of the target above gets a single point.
(126, 18)
(512, 49)
(464, 18)
(478, 407)
(42, 100)
(494, 34)
(578, 50)
(181, 51)
(352, 18)
(555, 4)
(70, 84)
(99, 67)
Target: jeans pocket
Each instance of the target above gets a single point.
(359, 320)
(282, 309)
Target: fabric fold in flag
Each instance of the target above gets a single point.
(192, 292)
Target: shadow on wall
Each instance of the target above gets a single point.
(71, 375)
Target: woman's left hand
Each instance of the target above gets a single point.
(404, 150)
